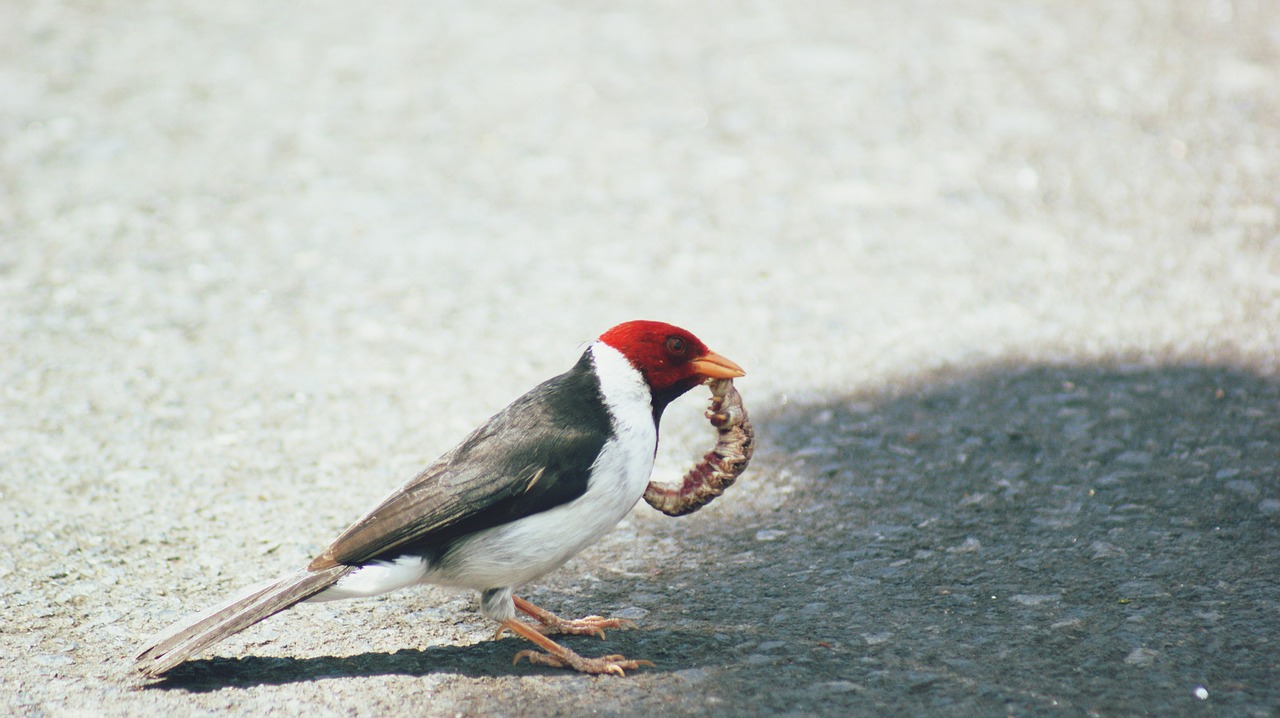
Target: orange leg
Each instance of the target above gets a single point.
(552, 624)
(558, 656)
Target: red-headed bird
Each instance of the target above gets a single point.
(534, 485)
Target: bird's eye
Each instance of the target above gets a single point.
(675, 345)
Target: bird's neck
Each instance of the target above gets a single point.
(624, 385)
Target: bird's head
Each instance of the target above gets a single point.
(671, 359)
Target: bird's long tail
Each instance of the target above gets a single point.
(195, 633)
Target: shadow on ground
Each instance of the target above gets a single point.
(483, 660)
(1083, 539)
(1079, 538)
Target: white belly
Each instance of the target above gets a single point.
(514, 554)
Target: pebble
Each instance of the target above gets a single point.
(132, 478)
(1137, 458)
(1140, 589)
(1102, 549)
(1034, 599)
(52, 660)
(1141, 657)
(969, 545)
(837, 687)
(1244, 487)
(813, 609)
(692, 676)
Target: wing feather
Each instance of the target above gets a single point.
(534, 455)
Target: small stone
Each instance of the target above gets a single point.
(770, 534)
(875, 639)
(770, 645)
(1102, 549)
(918, 681)
(632, 613)
(837, 687)
(969, 545)
(1141, 657)
(1244, 487)
(813, 609)
(691, 676)
(1141, 589)
(1034, 599)
(1269, 506)
(132, 477)
(1201, 693)
(1134, 457)
(52, 660)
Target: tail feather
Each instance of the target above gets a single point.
(195, 633)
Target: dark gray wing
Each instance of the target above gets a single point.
(534, 455)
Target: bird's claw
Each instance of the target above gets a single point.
(588, 626)
(615, 665)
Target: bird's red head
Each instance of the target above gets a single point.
(671, 359)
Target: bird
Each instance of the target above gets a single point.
(535, 484)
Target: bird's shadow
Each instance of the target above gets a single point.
(488, 659)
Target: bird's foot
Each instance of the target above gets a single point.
(550, 624)
(612, 665)
(557, 656)
(589, 626)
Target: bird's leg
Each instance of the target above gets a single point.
(557, 656)
(550, 623)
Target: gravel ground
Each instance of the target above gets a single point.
(1005, 277)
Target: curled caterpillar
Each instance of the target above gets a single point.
(721, 466)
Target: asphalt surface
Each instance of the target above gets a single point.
(1005, 279)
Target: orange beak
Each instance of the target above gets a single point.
(714, 366)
